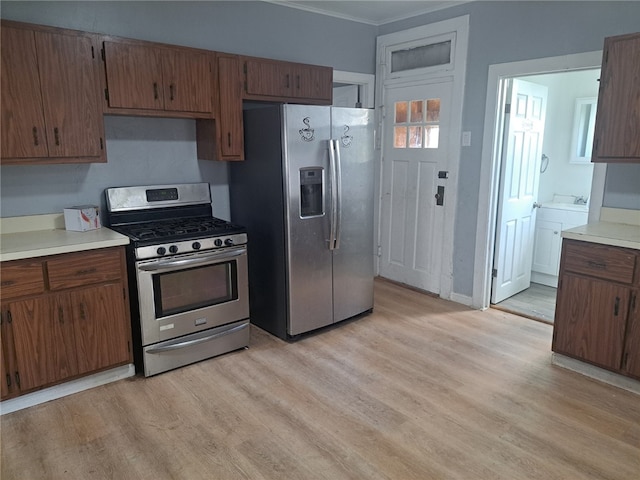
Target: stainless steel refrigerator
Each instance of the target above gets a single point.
(305, 195)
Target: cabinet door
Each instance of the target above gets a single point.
(44, 340)
(7, 355)
(230, 115)
(631, 361)
(22, 125)
(617, 131)
(268, 78)
(68, 80)
(101, 327)
(313, 82)
(5, 379)
(546, 251)
(590, 320)
(187, 81)
(134, 76)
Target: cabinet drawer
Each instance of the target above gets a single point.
(21, 278)
(601, 261)
(83, 268)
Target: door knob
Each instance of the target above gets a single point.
(537, 205)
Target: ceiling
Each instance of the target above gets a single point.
(373, 12)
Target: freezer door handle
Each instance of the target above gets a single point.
(338, 184)
(333, 210)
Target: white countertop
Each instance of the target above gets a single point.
(606, 233)
(40, 235)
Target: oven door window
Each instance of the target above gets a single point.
(189, 289)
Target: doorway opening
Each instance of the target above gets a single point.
(560, 194)
(491, 160)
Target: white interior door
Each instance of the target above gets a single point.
(519, 178)
(416, 126)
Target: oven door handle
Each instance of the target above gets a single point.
(189, 343)
(190, 262)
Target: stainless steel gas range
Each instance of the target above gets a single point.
(187, 274)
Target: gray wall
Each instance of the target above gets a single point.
(501, 32)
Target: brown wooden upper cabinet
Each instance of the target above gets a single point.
(287, 81)
(223, 138)
(51, 111)
(617, 130)
(143, 76)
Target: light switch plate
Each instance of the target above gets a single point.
(466, 139)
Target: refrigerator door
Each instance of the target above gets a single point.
(306, 134)
(353, 133)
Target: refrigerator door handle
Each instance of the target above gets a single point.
(333, 210)
(338, 189)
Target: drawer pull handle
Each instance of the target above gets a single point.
(86, 271)
(83, 315)
(6, 283)
(616, 307)
(60, 315)
(599, 265)
(56, 136)
(172, 92)
(17, 375)
(8, 380)
(36, 142)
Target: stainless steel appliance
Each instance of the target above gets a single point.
(305, 195)
(187, 274)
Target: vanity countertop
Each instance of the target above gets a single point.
(40, 235)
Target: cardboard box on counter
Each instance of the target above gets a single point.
(82, 218)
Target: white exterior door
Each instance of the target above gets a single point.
(415, 147)
(519, 178)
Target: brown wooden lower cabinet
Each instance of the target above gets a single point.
(61, 334)
(597, 316)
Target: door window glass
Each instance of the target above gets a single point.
(417, 124)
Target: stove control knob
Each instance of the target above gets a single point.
(173, 249)
(161, 251)
(229, 242)
(217, 242)
(196, 245)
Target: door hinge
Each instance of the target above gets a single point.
(379, 252)
(507, 108)
(494, 273)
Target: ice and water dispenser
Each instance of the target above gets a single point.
(311, 192)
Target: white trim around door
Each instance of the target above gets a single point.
(490, 166)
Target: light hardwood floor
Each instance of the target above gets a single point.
(537, 302)
(420, 389)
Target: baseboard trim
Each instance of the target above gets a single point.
(597, 373)
(68, 388)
